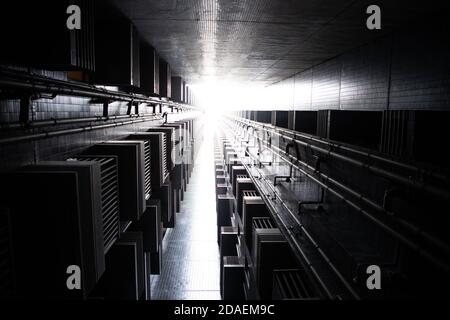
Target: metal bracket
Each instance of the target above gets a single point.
(105, 108)
(319, 202)
(164, 115)
(25, 107)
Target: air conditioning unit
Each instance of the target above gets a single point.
(270, 251)
(60, 223)
(234, 184)
(235, 172)
(221, 179)
(165, 80)
(109, 196)
(221, 189)
(131, 160)
(157, 163)
(124, 277)
(228, 240)
(253, 206)
(149, 64)
(290, 284)
(166, 195)
(117, 49)
(178, 157)
(170, 144)
(233, 161)
(233, 278)
(73, 49)
(243, 183)
(224, 210)
(152, 229)
(220, 172)
(178, 142)
(227, 148)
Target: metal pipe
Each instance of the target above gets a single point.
(380, 224)
(300, 250)
(52, 122)
(380, 208)
(379, 171)
(49, 134)
(37, 83)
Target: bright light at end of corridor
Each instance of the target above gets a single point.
(217, 97)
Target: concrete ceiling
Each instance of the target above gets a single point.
(263, 41)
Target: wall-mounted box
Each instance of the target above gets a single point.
(270, 251)
(170, 143)
(242, 184)
(177, 89)
(233, 278)
(149, 69)
(124, 277)
(227, 241)
(264, 116)
(280, 119)
(131, 159)
(165, 79)
(166, 196)
(306, 122)
(117, 52)
(252, 206)
(35, 34)
(224, 211)
(235, 171)
(156, 167)
(109, 176)
(152, 229)
(57, 225)
(187, 95)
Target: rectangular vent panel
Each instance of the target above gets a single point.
(147, 170)
(109, 197)
(165, 160)
(289, 285)
(250, 194)
(263, 223)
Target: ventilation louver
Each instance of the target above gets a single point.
(131, 173)
(289, 285)
(109, 197)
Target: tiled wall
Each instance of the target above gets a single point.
(406, 70)
(60, 147)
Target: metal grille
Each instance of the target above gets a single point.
(110, 197)
(241, 176)
(164, 157)
(394, 132)
(82, 41)
(263, 223)
(323, 123)
(290, 284)
(250, 194)
(148, 181)
(6, 270)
